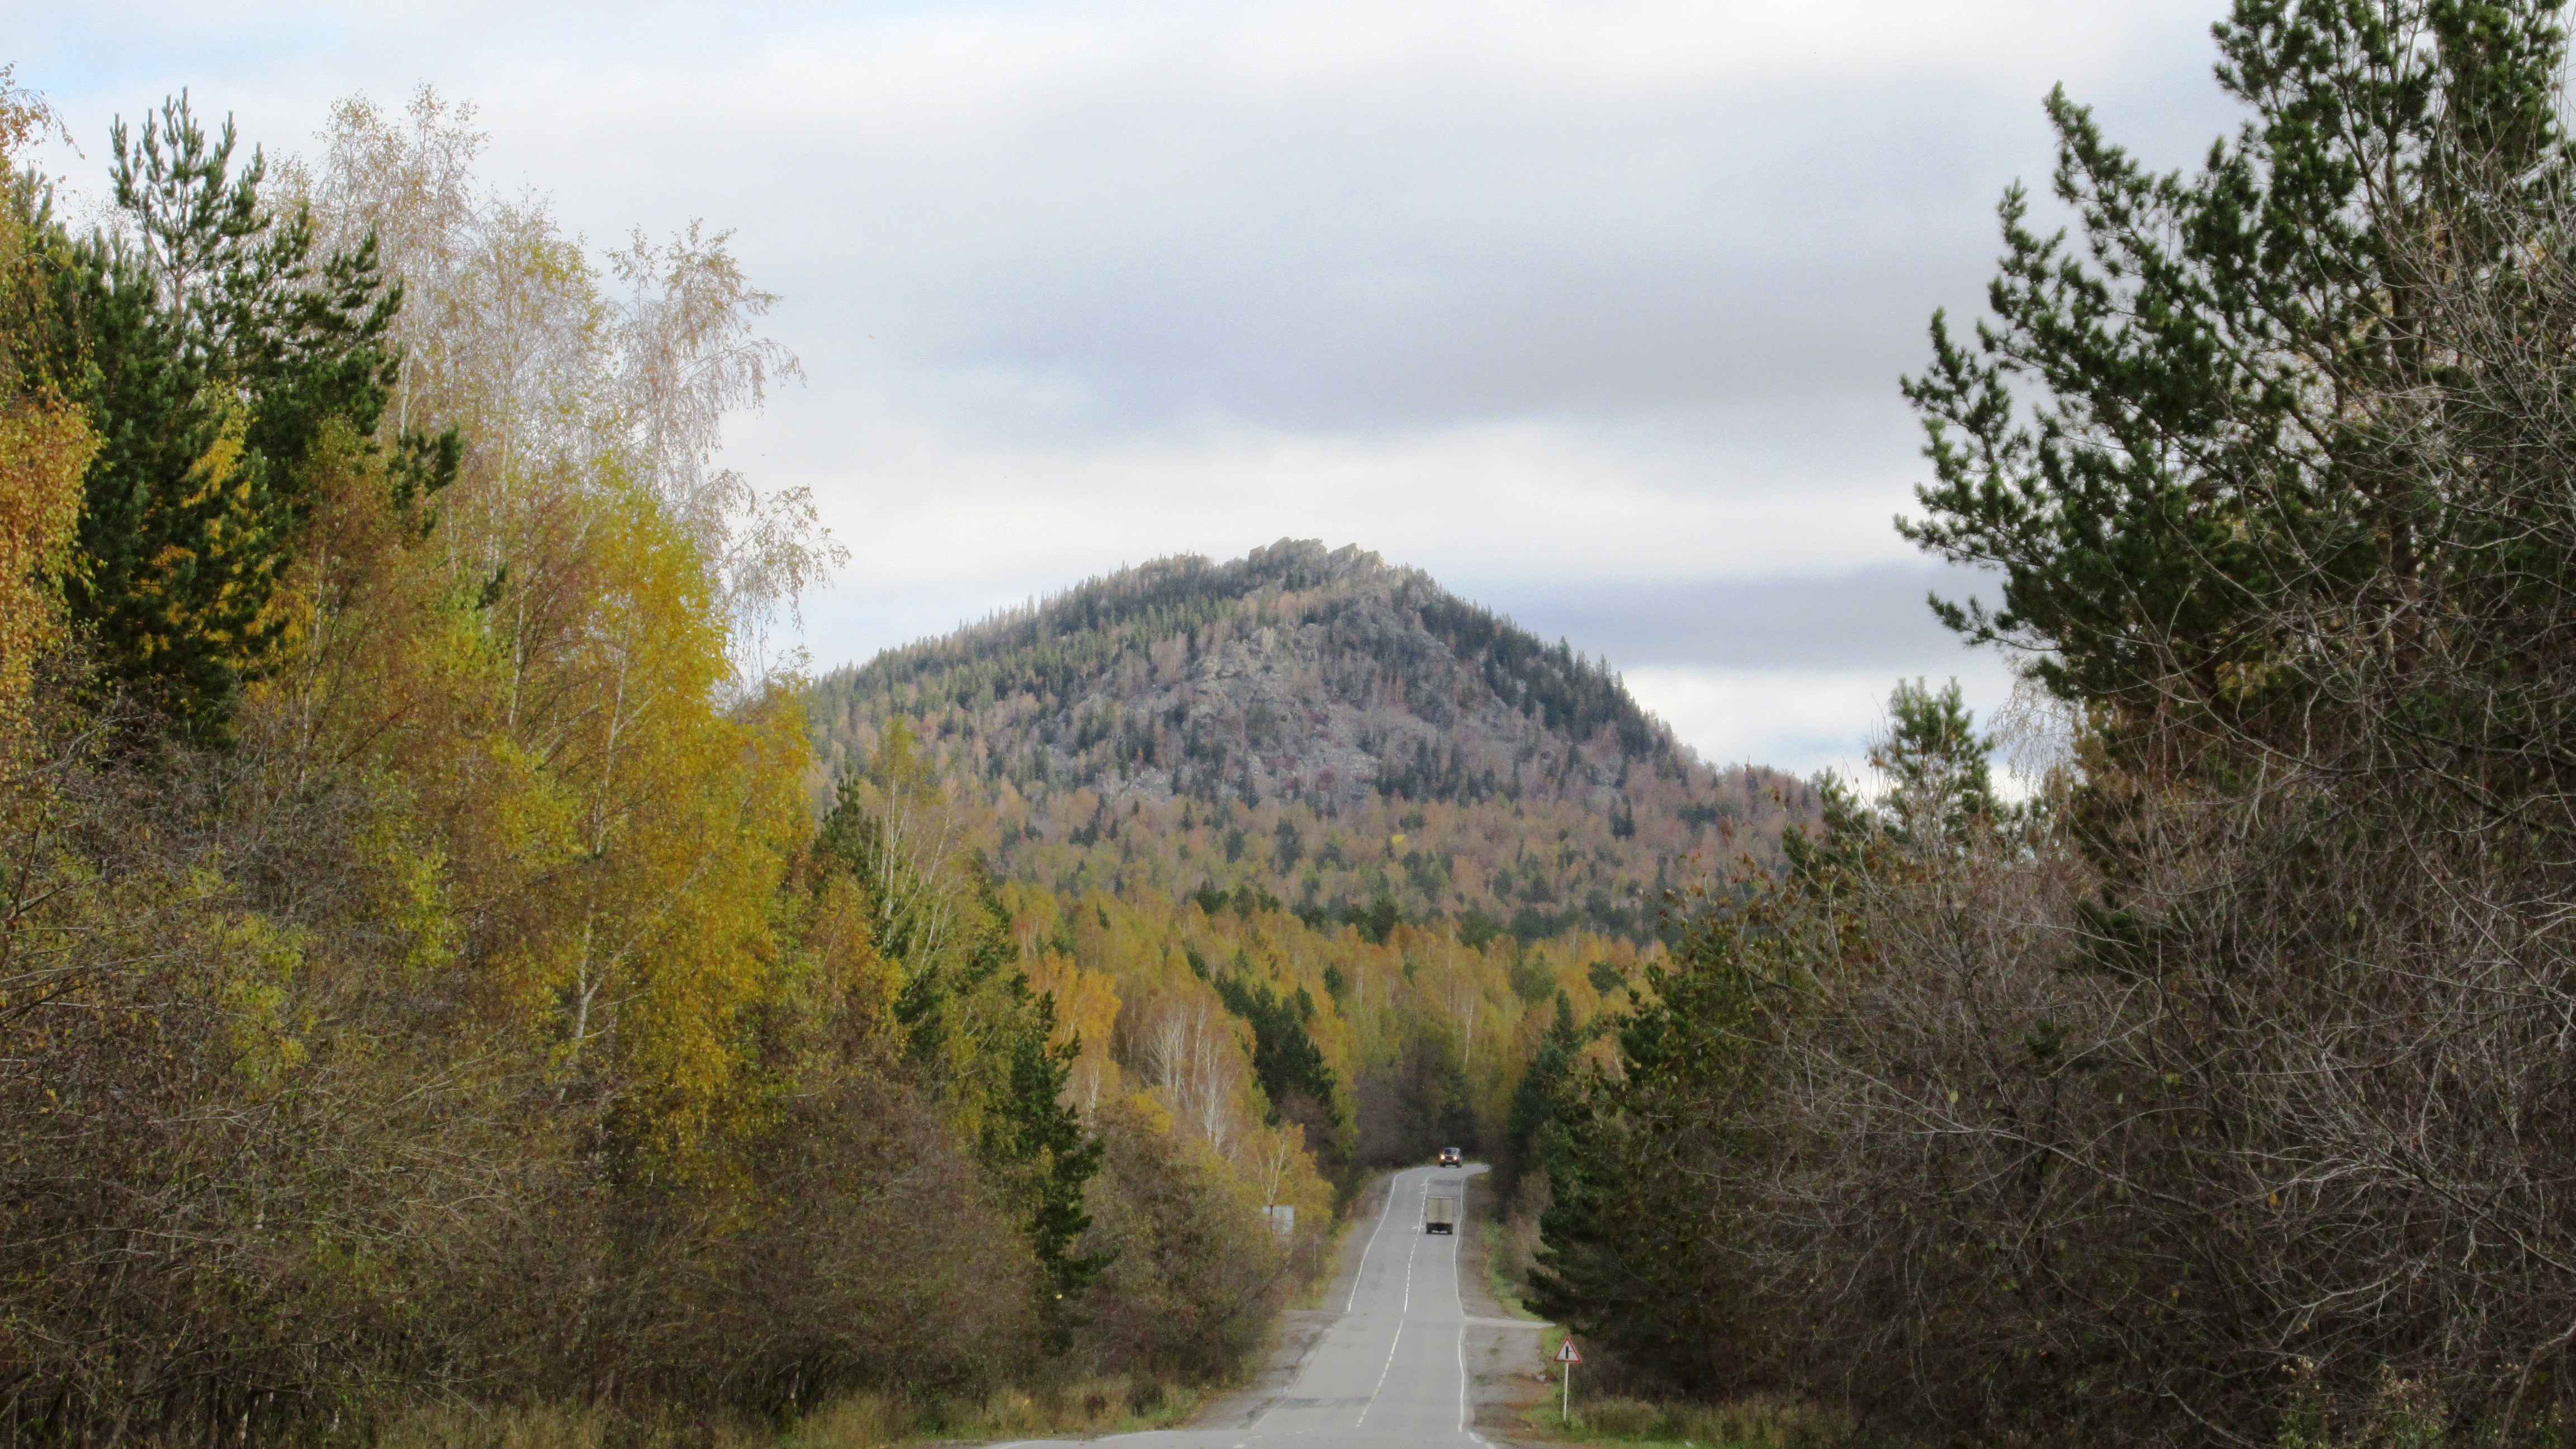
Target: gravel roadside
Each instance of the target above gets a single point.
(1505, 1368)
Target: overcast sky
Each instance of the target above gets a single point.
(1593, 310)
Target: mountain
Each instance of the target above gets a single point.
(1314, 727)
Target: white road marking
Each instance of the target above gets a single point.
(1381, 1375)
(1383, 1213)
(1457, 1282)
(1462, 1378)
(1358, 1275)
(1256, 1435)
(1398, 1338)
(1458, 1290)
(1408, 1276)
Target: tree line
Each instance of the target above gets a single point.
(2216, 1091)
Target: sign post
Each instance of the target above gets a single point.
(1566, 1355)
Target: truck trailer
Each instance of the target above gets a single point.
(1440, 1210)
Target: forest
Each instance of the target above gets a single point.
(443, 987)
(431, 988)
(2213, 1088)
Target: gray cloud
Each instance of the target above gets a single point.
(1391, 270)
(1592, 307)
(1133, 219)
(1869, 619)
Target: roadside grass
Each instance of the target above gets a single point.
(869, 1419)
(1499, 1279)
(1114, 1405)
(534, 1426)
(1752, 1423)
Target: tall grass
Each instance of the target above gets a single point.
(869, 1419)
(1750, 1423)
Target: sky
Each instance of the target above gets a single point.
(1594, 311)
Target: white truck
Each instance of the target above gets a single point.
(1440, 1208)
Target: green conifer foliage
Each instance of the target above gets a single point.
(1641, 1248)
(974, 1031)
(2160, 437)
(1648, 1240)
(1535, 1134)
(1291, 1068)
(1936, 764)
(212, 349)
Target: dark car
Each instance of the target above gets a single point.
(1449, 1157)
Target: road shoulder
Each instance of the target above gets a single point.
(1298, 1330)
(1505, 1364)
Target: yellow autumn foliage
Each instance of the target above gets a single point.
(42, 452)
(44, 447)
(609, 834)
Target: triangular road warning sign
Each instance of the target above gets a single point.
(1566, 1353)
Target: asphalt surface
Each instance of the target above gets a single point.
(1392, 1370)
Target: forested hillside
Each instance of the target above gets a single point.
(1312, 801)
(1374, 1046)
(1340, 737)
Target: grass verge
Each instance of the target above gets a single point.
(869, 1419)
(1104, 1406)
(1499, 1279)
(1754, 1423)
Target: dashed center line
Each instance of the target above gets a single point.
(1398, 1337)
(1381, 1376)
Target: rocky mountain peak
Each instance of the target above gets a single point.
(1299, 688)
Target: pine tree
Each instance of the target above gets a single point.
(1940, 785)
(2163, 435)
(211, 349)
(974, 1030)
(1036, 1136)
(1641, 1248)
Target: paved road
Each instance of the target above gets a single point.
(1392, 1370)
